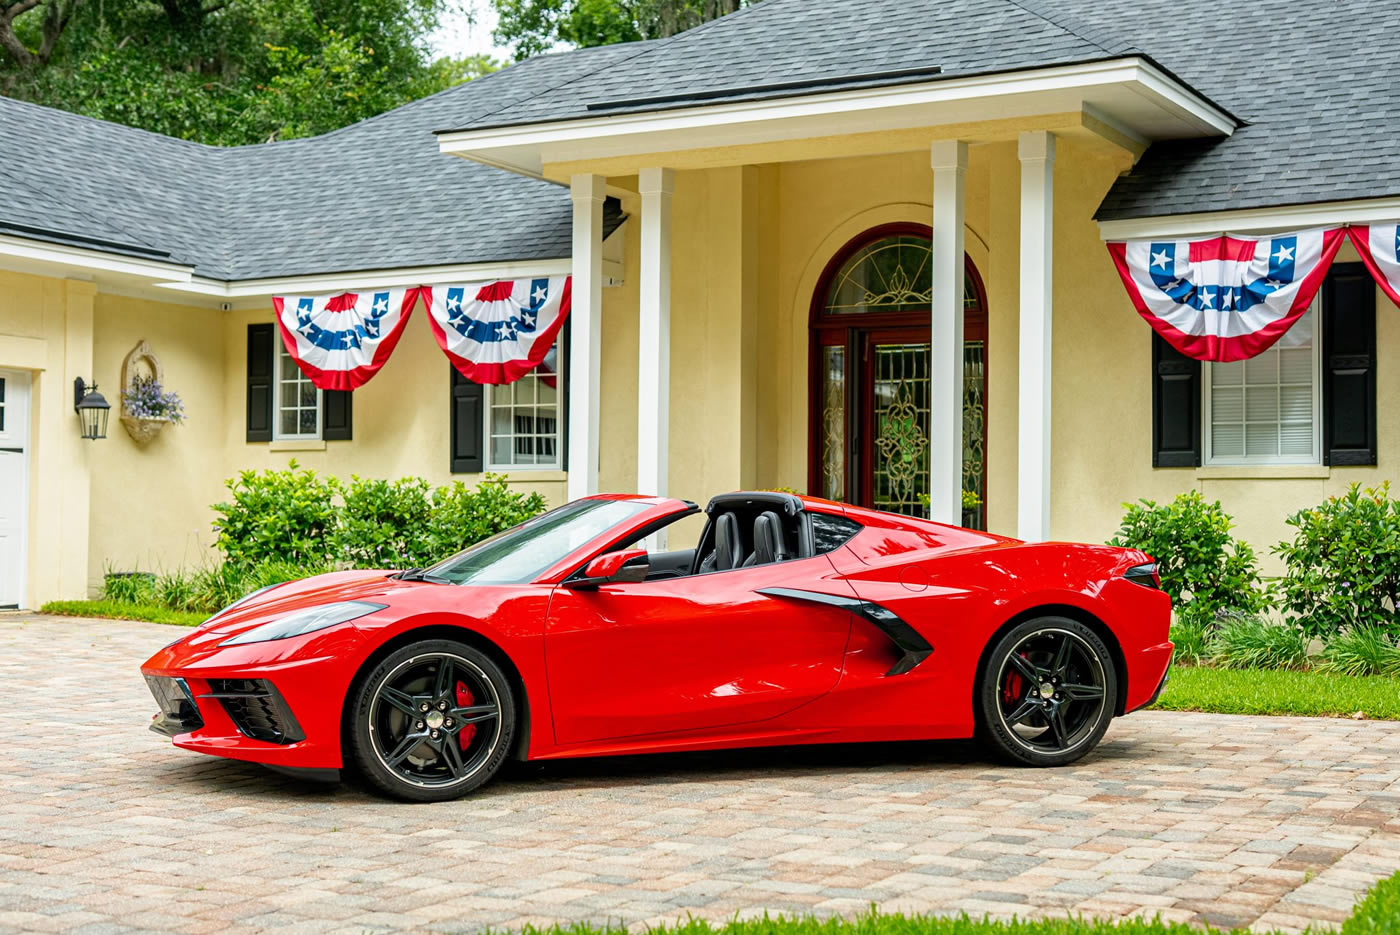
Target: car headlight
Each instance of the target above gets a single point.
(305, 621)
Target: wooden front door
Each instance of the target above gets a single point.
(871, 362)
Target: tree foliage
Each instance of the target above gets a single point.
(534, 26)
(225, 71)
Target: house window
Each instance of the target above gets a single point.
(522, 423)
(1267, 409)
(298, 402)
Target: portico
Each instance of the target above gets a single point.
(738, 209)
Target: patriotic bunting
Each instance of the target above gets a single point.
(1226, 298)
(1379, 246)
(497, 332)
(341, 341)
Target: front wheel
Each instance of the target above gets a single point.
(1048, 693)
(432, 721)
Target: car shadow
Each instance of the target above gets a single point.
(963, 758)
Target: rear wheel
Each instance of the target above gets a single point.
(433, 721)
(1048, 692)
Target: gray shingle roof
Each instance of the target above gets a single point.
(1317, 80)
(373, 195)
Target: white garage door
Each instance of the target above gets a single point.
(14, 487)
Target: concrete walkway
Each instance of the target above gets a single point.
(104, 827)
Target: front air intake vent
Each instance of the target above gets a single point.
(257, 709)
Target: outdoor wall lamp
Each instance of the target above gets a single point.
(92, 409)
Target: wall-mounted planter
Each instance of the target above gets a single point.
(142, 429)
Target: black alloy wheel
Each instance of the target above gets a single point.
(1048, 693)
(432, 721)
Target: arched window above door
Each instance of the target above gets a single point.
(892, 273)
(870, 322)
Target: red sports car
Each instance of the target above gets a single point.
(794, 620)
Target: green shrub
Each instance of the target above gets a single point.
(133, 587)
(385, 524)
(1343, 565)
(1203, 569)
(287, 516)
(270, 573)
(175, 591)
(218, 586)
(1251, 643)
(463, 516)
(1361, 651)
(1190, 637)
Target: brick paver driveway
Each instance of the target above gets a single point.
(1232, 820)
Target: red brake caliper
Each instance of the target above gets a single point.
(1012, 690)
(464, 699)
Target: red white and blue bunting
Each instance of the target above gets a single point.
(493, 332)
(496, 332)
(1379, 246)
(1229, 297)
(340, 341)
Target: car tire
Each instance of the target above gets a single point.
(1069, 660)
(454, 744)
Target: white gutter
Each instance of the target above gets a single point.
(1253, 220)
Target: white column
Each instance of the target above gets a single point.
(949, 161)
(654, 332)
(1037, 152)
(586, 317)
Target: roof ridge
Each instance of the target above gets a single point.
(1067, 23)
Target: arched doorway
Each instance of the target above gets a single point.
(870, 372)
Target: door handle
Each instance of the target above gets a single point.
(17, 451)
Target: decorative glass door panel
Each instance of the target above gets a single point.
(871, 367)
(900, 449)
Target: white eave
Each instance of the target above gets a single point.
(1132, 92)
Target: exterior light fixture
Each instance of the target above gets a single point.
(92, 409)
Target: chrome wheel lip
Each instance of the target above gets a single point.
(1093, 657)
(377, 700)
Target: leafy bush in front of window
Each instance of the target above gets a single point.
(1343, 565)
(1242, 642)
(1203, 568)
(283, 516)
(463, 515)
(385, 524)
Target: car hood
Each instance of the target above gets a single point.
(294, 596)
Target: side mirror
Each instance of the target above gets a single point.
(627, 566)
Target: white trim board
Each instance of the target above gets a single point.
(1253, 220)
(1132, 92)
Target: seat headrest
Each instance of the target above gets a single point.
(729, 548)
(769, 542)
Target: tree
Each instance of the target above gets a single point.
(226, 71)
(534, 26)
(52, 21)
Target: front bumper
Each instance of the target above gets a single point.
(278, 703)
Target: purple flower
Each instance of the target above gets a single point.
(145, 399)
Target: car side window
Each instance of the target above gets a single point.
(831, 532)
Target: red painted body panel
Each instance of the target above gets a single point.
(697, 662)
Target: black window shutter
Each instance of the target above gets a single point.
(337, 415)
(467, 400)
(260, 363)
(1349, 366)
(1176, 407)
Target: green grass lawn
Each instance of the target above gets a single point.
(1273, 691)
(1377, 914)
(123, 610)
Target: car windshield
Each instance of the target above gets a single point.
(522, 553)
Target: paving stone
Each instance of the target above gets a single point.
(1237, 821)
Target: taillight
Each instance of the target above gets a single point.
(1145, 575)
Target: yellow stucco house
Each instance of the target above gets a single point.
(853, 247)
